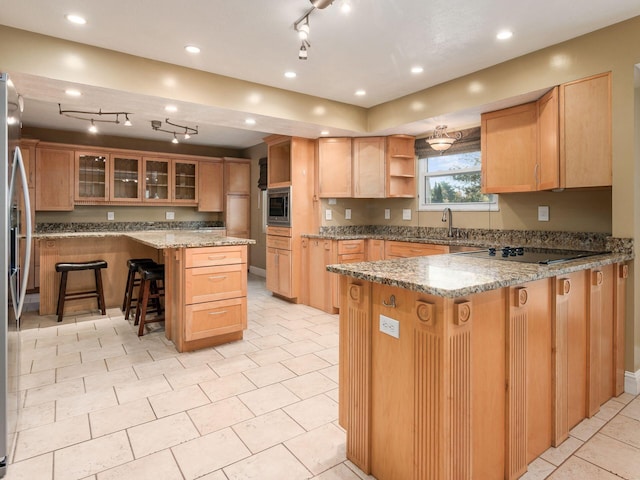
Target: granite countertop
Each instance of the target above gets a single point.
(458, 275)
(401, 238)
(161, 238)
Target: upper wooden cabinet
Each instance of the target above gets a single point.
(369, 167)
(334, 167)
(237, 175)
(279, 161)
(170, 180)
(156, 176)
(210, 186)
(563, 140)
(54, 178)
(237, 198)
(185, 186)
(92, 172)
(126, 178)
(401, 166)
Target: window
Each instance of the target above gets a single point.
(453, 179)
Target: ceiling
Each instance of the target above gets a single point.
(373, 47)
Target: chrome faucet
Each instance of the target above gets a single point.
(447, 217)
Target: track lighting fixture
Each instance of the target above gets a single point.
(183, 130)
(302, 54)
(320, 4)
(94, 117)
(301, 26)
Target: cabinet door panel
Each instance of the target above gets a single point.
(54, 179)
(368, 167)
(238, 216)
(210, 319)
(125, 185)
(548, 138)
(238, 177)
(210, 193)
(208, 284)
(334, 167)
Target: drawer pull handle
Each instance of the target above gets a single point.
(216, 257)
(392, 302)
(218, 277)
(222, 312)
(351, 246)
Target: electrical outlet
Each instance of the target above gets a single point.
(347, 214)
(543, 213)
(406, 214)
(111, 216)
(390, 326)
(387, 213)
(169, 215)
(328, 214)
(332, 201)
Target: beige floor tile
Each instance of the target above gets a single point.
(120, 417)
(50, 437)
(339, 472)
(159, 434)
(313, 412)
(199, 358)
(299, 335)
(233, 349)
(32, 469)
(276, 463)
(539, 469)
(122, 361)
(269, 374)
(94, 367)
(623, 429)
(159, 367)
(229, 366)
(325, 329)
(85, 403)
(219, 475)
(35, 380)
(38, 415)
(269, 341)
(577, 469)
(104, 352)
(88, 458)
(302, 347)
(158, 466)
(612, 455)
(57, 340)
(632, 410)
(310, 384)
(305, 364)
(331, 373)
(267, 399)
(228, 386)
(329, 340)
(38, 353)
(587, 428)
(79, 346)
(55, 362)
(267, 430)
(107, 380)
(625, 398)
(216, 416)
(558, 455)
(55, 391)
(269, 356)
(190, 376)
(295, 323)
(223, 447)
(165, 404)
(333, 395)
(329, 355)
(320, 449)
(147, 387)
(609, 410)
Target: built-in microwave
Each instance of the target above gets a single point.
(279, 206)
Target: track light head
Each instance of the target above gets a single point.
(302, 54)
(320, 4)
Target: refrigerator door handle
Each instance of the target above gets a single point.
(18, 164)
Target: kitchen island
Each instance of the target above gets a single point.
(454, 367)
(205, 277)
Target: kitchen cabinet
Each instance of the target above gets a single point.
(334, 167)
(92, 172)
(396, 249)
(210, 186)
(156, 176)
(279, 161)
(319, 283)
(279, 261)
(125, 178)
(54, 178)
(369, 167)
(400, 166)
(237, 175)
(375, 249)
(563, 140)
(184, 186)
(170, 181)
(237, 188)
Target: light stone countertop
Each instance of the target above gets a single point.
(160, 239)
(459, 275)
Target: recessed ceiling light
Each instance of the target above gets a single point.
(361, 93)
(417, 69)
(250, 121)
(77, 19)
(346, 7)
(171, 108)
(192, 49)
(290, 74)
(72, 92)
(324, 132)
(504, 35)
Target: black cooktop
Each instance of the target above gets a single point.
(542, 256)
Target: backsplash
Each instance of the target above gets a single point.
(124, 226)
(590, 241)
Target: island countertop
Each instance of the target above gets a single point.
(458, 275)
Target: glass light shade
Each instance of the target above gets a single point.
(441, 144)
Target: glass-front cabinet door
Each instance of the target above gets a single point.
(92, 174)
(156, 179)
(184, 181)
(125, 179)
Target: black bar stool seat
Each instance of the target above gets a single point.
(133, 280)
(98, 292)
(151, 290)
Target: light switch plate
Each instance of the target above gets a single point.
(543, 213)
(387, 213)
(111, 216)
(328, 214)
(347, 214)
(390, 326)
(169, 215)
(406, 214)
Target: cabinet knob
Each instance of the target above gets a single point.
(597, 278)
(564, 286)
(624, 271)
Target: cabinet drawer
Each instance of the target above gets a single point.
(279, 231)
(210, 256)
(351, 258)
(283, 243)
(350, 246)
(209, 319)
(408, 249)
(208, 284)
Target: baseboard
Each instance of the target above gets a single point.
(632, 382)
(260, 272)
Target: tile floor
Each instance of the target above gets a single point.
(101, 403)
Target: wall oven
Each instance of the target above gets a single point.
(279, 207)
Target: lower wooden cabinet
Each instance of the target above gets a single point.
(395, 249)
(211, 319)
(279, 275)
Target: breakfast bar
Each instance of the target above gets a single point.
(453, 366)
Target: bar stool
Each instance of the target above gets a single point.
(133, 280)
(150, 276)
(63, 296)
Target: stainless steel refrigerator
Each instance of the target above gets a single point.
(16, 224)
